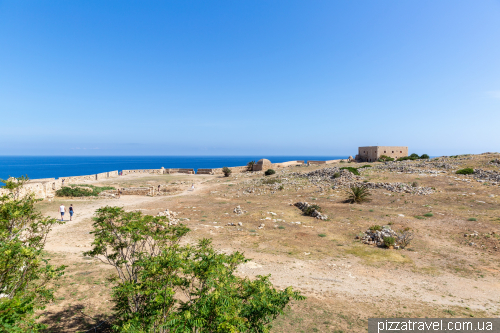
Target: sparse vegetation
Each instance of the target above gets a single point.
(322, 235)
(375, 227)
(414, 184)
(465, 171)
(472, 219)
(428, 214)
(269, 181)
(82, 190)
(358, 194)
(405, 236)
(226, 171)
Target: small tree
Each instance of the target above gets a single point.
(226, 171)
(164, 286)
(385, 158)
(405, 236)
(24, 274)
(250, 165)
(358, 194)
(414, 156)
(424, 156)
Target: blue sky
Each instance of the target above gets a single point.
(248, 77)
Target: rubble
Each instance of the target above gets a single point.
(303, 206)
(238, 210)
(395, 187)
(376, 237)
(172, 220)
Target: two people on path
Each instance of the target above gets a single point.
(62, 210)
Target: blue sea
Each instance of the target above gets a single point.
(63, 166)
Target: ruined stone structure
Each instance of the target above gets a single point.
(373, 153)
(262, 164)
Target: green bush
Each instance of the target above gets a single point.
(351, 169)
(414, 156)
(25, 275)
(385, 158)
(165, 284)
(269, 172)
(269, 181)
(358, 194)
(472, 219)
(309, 210)
(226, 171)
(466, 171)
(322, 235)
(424, 156)
(389, 241)
(418, 217)
(336, 175)
(428, 215)
(375, 228)
(82, 190)
(414, 184)
(365, 166)
(281, 227)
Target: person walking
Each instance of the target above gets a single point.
(71, 212)
(192, 187)
(62, 210)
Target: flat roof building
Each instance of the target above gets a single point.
(373, 153)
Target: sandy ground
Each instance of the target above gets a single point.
(335, 268)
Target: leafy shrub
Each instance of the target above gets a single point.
(322, 235)
(375, 228)
(419, 217)
(405, 236)
(24, 274)
(82, 190)
(336, 175)
(414, 184)
(250, 165)
(365, 166)
(385, 158)
(414, 155)
(226, 171)
(281, 227)
(472, 219)
(466, 171)
(358, 194)
(424, 156)
(389, 241)
(428, 215)
(164, 284)
(309, 210)
(281, 188)
(269, 172)
(351, 169)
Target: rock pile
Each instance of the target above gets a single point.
(397, 187)
(303, 206)
(376, 237)
(492, 177)
(172, 220)
(238, 210)
(495, 162)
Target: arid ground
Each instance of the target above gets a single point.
(346, 282)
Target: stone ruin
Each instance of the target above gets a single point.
(262, 164)
(376, 237)
(303, 206)
(172, 220)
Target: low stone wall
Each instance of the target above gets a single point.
(152, 171)
(113, 174)
(187, 171)
(316, 162)
(137, 191)
(333, 161)
(77, 179)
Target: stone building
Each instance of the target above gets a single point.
(262, 164)
(373, 153)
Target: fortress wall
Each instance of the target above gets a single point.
(101, 175)
(187, 171)
(41, 180)
(77, 179)
(316, 162)
(241, 169)
(333, 161)
(113, 174)
(153, 171)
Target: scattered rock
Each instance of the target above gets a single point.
(303, 206)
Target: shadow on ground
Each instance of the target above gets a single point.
(73, 319)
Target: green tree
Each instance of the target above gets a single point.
(163, 286)
(226, 171)
(24, 274)
(250, 165)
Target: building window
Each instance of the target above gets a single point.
(384, 151)
(401, 152)
(393, 151)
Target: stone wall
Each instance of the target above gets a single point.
(77, 179)
(373, 153)
(137, 191)
(139, 171)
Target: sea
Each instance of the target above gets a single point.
(64, 166)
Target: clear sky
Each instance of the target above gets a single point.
(248, 77)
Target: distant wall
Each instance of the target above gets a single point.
(138, 171)
(137, 191)
(241, 169)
